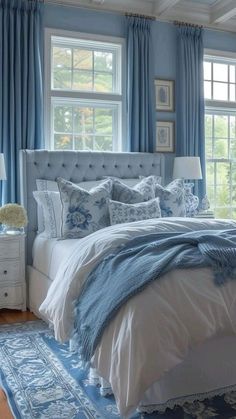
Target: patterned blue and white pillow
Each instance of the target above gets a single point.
(172, 199)
(83, 212)
(143, 191)
(128, 213)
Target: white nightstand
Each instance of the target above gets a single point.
(12, 272)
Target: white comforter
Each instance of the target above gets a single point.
(154, 330)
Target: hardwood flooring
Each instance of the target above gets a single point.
(11, 316)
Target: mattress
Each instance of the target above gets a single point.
(48, 254)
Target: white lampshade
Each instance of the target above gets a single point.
(187, 168)
(2, 168)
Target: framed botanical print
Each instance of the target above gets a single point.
(164, 95)
(165, 136)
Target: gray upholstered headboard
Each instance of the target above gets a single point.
(78, 166)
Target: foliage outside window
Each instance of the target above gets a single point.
(84, 110)
(220, 133)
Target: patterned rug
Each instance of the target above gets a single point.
(42, 379)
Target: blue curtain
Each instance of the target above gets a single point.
(140, 85)
(20, 87)
(190, 99)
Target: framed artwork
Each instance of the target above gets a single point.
(164, 95)
(165, 136)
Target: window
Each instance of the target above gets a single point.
(84, 92)
(220, 133)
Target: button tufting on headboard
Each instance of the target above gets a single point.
(35, 164)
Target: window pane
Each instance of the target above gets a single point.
(208, 125)
(210, 173)
(83, 120)
(83, 142)
(232, 127)
(232, 73)
(233, 176)
(208, 148)
(207, 89)
(220, 72)
(222, 173)
(232, 92)
(63, 119)
(220, 91)
(220, 149)
(103, 121)
(211, 195)
(222, 195)
(82, 59)
(102, 82)
(82, 80)
(103, 61)
(61, 57)
(63, 142)
(62, 79)
(221, 126)
(233, 149)
(222, 212)
(102, 143)
(207, 70)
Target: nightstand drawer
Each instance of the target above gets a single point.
(9, 249)
(9, 271)
(11, 296)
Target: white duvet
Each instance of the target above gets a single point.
(154, 330)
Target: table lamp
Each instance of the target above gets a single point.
(188, 168)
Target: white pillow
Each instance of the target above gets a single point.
(50, 204)
(128, 213)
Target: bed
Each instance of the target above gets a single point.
(207, 367)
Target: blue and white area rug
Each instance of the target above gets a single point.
(42, 379)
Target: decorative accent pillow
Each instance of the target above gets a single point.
(172, 199)
(128, 213)
(143, 191)
(83, 212)
(50, 204)
(157, 179)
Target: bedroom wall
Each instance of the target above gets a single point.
(164, 42)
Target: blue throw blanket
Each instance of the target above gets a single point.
(133, 266)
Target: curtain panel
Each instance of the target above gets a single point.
(20, 87)
(140, 85)
(190, 99)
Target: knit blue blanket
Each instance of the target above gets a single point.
(133, 266)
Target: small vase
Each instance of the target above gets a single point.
(13, 230)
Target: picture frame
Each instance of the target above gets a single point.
(164, 90)
(165, 136)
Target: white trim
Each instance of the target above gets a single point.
(116, 98)
(211, 53)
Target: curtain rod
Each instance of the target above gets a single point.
(138, 15)
(192, 25)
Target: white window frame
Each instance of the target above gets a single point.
(50, 94)
(221, 107)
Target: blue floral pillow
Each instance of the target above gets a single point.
(143, 191)
(128, 213)
(172, 199)
(83, 212)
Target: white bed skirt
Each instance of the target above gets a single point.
(208, 370)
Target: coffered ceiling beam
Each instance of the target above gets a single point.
(223, 11)
(162, 6)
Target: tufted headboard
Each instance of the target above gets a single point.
(78, 166)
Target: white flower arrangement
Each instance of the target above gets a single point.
(13, 215)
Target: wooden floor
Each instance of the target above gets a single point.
(11, 316)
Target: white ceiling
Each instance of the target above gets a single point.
(210, 13)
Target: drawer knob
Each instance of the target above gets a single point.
(5, 272)
(5, 294)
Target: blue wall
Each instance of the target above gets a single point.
(164, 43)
